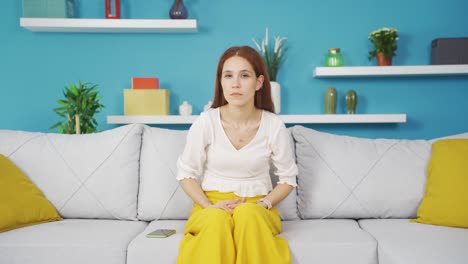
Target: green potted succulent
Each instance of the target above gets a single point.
(385, 45)
(78, 108)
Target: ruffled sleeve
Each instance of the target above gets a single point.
(282, 154)
(191, 162)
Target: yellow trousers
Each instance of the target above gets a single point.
(249, 235)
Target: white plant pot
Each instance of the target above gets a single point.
(276, 96)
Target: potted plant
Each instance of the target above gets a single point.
(273, 56)
(385, 45)
(78, 108)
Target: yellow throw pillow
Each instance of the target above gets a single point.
(446, 199)
(21, 202)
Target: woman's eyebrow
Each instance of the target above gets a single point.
(246, 70)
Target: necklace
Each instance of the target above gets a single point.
(240, 134)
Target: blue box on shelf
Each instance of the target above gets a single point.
(48, 8)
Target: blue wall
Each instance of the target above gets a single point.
(35, 67)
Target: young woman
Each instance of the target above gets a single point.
(225, 169)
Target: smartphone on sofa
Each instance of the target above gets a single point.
(161, 233)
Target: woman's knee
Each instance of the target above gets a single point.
(215, 217)
(247, 210)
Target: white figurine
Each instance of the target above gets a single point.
(185, 109)
(207, 106)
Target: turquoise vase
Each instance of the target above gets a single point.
(330, 100)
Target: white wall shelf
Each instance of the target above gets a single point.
(83, 25)
(369, 71)
(288, 119)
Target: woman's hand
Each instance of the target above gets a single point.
(263, 204)
(227, 205)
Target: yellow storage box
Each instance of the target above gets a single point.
(146, 102)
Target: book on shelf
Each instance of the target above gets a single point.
(145, 83)
(146, 101)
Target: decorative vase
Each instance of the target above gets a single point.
(276, 96)
(351, 101)
(382, 60)
(330, 100)
(185, 109)
(334, 58)
(178, 10)
(116, 9)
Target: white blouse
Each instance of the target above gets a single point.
(210, 157)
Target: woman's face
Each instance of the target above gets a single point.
(239, 81)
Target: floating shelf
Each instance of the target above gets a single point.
(369, 71)
(288, 119)
(109, 25)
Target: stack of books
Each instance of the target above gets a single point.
(146, 98)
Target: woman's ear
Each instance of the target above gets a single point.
(260, 80)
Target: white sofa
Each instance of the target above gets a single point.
(353, 203)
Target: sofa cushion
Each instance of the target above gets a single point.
(21, 202)
(310, 241)
(160, 195)
(403, 242)
(84, 176)
(329, 241)
(71, 241)
(349, 177)
(143, 250)
(446, 199)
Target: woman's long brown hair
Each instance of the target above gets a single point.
(262, 98)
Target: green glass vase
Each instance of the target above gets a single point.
(330, 100)
(334, 58)
(351, 101)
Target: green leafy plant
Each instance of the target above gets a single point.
(78, 108)
(273, 56)
(385, 41)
